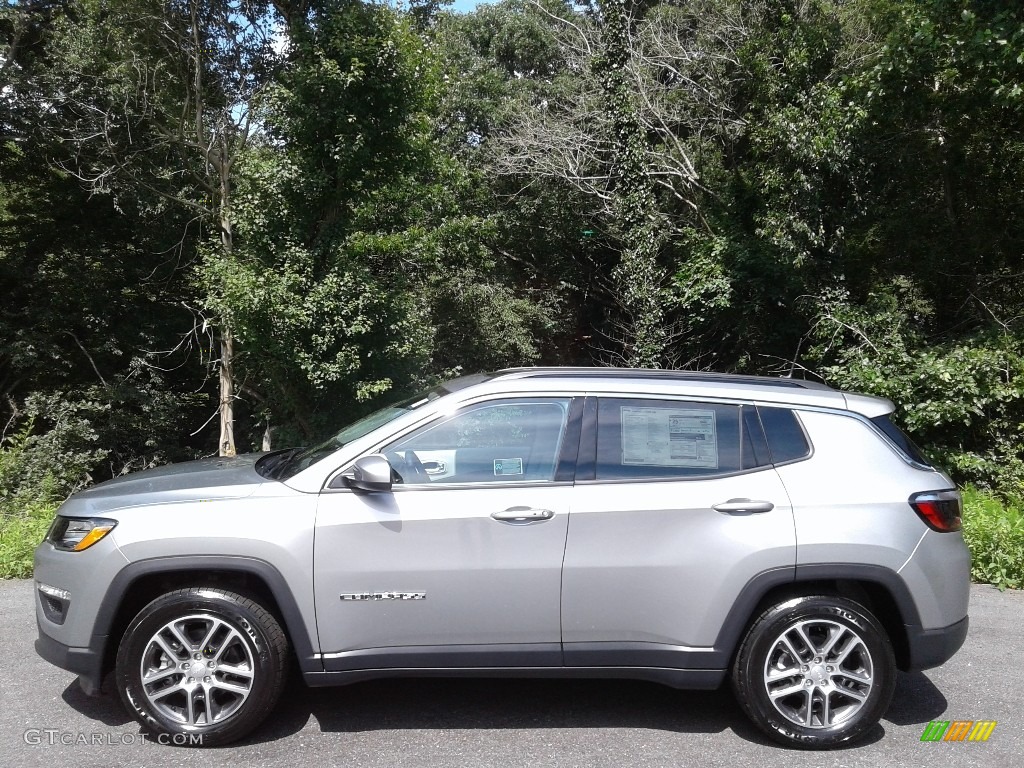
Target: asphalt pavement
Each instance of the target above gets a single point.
(45, 720)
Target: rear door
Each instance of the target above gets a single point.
(676, 507)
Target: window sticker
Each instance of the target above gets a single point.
(508, 466)
(668, 437)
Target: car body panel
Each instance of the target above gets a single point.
(77, 573)
(652, 561)
(482, 581)
(840, 517)
(215, 478)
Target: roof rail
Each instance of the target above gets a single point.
(657, 373)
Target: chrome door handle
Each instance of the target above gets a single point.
(522, 515)
(744, 505)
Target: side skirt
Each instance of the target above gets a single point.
(690, 679)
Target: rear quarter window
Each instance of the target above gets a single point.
(786, 438)
(899, 437)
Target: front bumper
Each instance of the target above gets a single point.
(87, 663)
(931, 647)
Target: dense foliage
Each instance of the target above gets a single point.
(306, 208)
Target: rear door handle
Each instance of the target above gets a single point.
(743, 506)
(522, 515)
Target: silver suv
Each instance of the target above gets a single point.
(666, 526)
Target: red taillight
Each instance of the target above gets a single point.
(940, 510)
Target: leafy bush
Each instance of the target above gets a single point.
(20, 533)
(994, 531)
(38, 470)
(962, 401)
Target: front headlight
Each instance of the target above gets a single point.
(73, 534)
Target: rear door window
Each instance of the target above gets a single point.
(642, 438)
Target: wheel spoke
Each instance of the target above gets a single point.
(159, 674)
(234, 670)
(856, 675)
(775, 674)
(809, 706)
(232, 636)
(797, 658)
(208, 704)
(224, 686)
(186, 644)
(166, 648)
(778, 693)
(825, 711)
(165, 692)
(834, 637)
(851, 646)
(190, 705)
(806, 640)
(852, 693)
(214, 626)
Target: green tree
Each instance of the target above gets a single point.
(160, 97)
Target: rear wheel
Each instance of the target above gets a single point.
(815, 672)
(201, 662)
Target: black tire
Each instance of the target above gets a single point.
(834, 703)
(246, 656)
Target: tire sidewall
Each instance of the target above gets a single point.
(763, 637)
(175, 605)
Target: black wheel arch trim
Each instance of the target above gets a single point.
(295, 626)
(746, 603)
(886, 577)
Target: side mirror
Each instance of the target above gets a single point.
(370, 473)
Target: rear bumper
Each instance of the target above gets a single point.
(87, 663)
(931, 647)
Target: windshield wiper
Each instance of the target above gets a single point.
(270, 466)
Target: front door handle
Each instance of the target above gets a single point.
(522, 515)
(742, 506)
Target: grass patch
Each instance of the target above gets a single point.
(20, 534)
(994, 531)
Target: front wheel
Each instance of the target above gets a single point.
(201, 666)
(815, 672)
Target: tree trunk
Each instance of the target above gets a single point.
(638, 276)
(227, 392)
(227, 339)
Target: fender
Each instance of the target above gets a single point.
(754, 591)
(267, 573)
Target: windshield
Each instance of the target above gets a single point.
(284, 465)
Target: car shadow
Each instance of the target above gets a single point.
(470, 703)
(443, 704)
(916, 701)
(105, 708)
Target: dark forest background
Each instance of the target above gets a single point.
(229, 225)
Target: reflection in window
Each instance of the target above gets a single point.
(497, 441)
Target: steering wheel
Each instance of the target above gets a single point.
(412, 469)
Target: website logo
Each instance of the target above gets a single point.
(958, 730)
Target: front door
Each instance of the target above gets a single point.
(460, 564)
